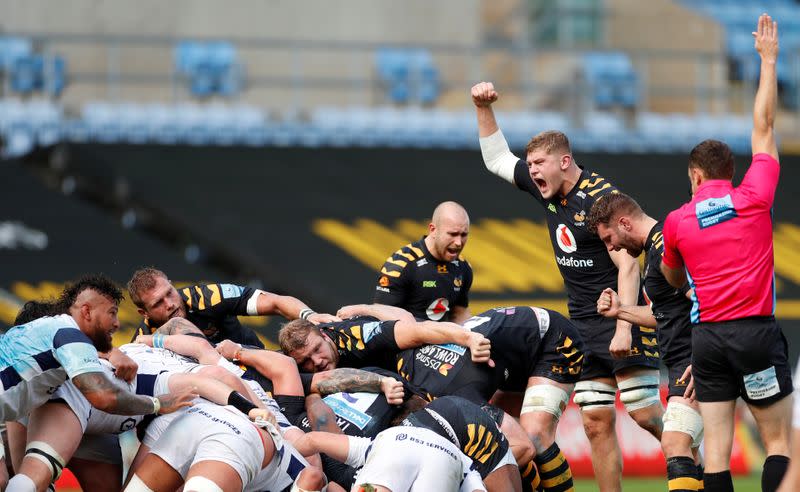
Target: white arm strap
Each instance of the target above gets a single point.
(498, 157)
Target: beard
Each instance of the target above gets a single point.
(101, 341)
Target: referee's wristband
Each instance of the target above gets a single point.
(306, 313)
(156, 405)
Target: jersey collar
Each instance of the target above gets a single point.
(651, 236)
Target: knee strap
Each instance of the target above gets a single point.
(201, 484)
(639, 392)
(591, 394)
(45, 453)
(137, 485)
(683, 418)
(545, 398)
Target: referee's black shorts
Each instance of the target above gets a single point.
(745, 357)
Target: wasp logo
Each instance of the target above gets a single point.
(384, 281)
(444, 368)
(458, 281)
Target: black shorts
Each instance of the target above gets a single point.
(746, 357)
(561, 353)
(674, 371)
(597, 333)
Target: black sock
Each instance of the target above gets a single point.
(774, 468)
(554, 470)
(682, 474)
(700, 470)
(718, 482)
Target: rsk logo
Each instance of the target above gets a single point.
(565, 239)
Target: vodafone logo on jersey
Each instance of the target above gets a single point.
(438, 309)
(565, 239)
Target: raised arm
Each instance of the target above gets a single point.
(766, 43)
(497, 157)
(290, 308)
(105, 396)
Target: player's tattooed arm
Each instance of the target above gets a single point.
(354, 380)
(105, 396)
(178, 326)
(346, 379)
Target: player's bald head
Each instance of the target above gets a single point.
(450, 212)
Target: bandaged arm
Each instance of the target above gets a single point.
(497, 157)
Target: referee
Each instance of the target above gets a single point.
(723, 238)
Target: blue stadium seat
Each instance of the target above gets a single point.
(611, 79)
(408, 75)
(210, 67)
(12, 48)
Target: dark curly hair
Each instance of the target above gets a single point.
(32, 310)
(97, 282)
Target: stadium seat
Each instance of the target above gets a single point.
(408, 75)
(612, 79)
(209, 67)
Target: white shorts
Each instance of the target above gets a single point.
(209, 432)
(283, 469)
(413, 459)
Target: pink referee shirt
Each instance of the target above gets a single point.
(724, 239)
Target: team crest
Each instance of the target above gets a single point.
(384, 281)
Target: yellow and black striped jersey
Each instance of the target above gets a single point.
(363, 341)
(467, 426)
(419, 283)
(581, 256)
(214, 309)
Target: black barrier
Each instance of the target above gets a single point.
(48, 238)
(325, 219)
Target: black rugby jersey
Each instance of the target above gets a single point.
(363, 341)
(521, 335)
(214, 309)
(581, 256)
(358, 414)
(467, 426)
(428, 288)
(670, 306)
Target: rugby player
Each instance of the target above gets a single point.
(214, 308)
(39, 356)
(622, 225)
(429, 278)
(616, 356)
